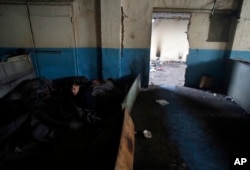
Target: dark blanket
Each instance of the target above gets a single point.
(41, 123)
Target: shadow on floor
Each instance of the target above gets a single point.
(196, 130)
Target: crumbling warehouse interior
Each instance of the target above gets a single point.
(204, 121)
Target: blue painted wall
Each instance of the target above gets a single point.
(61, 62)
(240, 55)
(90, 62)
(87, 62)
(113, 63)
(135, 61)
(206, 62)
(54, 63)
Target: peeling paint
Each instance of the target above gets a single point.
(122, 31)
(188, 27)
(132, 36)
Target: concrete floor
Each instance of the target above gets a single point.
(170, 73)
(197, 130)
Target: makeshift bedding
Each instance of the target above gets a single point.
(42, 125)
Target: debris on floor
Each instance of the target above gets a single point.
(229, 98)
(167, 73)
(147, 134)
(162, 102)
(191, 133)
(51, 123)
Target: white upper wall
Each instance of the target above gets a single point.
(198, 33)
(85, 23)
(111, 24)
(122, 23)
(138, 14)
(15, 29)
(52, 26)
(242, 33)
(137, 17)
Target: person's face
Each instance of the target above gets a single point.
(75, 89)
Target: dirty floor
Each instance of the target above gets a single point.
(170, 73)
(196, 130)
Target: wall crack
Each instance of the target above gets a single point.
(122, 30)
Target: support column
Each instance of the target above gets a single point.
(111, 38)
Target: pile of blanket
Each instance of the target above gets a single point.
(39, 115)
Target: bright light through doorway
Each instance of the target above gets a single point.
(169, 48)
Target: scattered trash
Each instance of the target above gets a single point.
(173, 166)
(206, 82)
(229, 98)
(18, 150)
(159, 69)
(147, 134)
(152, 70)
(162, 102)
(183, 166)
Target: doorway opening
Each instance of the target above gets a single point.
(169, 48)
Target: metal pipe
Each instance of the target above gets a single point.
(213, 8)
(33, 41)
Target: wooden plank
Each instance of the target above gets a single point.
(125, 156)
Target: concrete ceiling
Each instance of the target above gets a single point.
(24, 1)
(162, 15)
